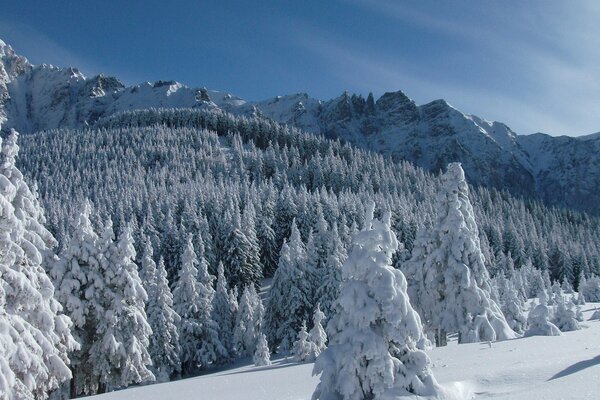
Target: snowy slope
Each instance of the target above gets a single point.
(559, 367)
(562, 171)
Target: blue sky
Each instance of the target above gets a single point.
(530, 64)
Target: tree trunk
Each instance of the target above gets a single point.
(440, 338)
(72, 388)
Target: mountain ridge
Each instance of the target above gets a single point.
(562, 171)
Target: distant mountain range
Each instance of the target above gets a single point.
(562, 171)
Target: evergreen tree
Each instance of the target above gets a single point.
(303, 349)
(78, 281)
(288, 303)
(192, 297)
(35, 336)
(242, 257)
(331, 275)
(373, 334)
(565, 317)
(224, 315)
(244, 336)
(186, 303)
(448, 281)
(262, 355)
(539, 321)
(164, 341)
(512, 307)
(317, 334)
(120, 351)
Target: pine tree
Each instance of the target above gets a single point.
(539, 321)
(244, 338)
(35, 336)
(192, 297)
(262, 355)
(303, 349)
(565, 317)
(164, 342)
(288, 302)
(331, 275)
(78, 281)
(186, 303)
(512, 307)
(373, 334)
(449, 283)
(317, 334)
(242, 258)
(120, 351)
(224, 316)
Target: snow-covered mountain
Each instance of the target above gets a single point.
(563, 171)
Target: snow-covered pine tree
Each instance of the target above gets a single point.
(164, 341)
(565, 317)
(224, 316)
(35, 336)
(120, 351)
(303, 349)
(373, 334)
(331, 274)
(317, 334)
(262, 356)
(268, 247)
(186, 303)
(244, 338)
(242, 257)
(258, 313)
(312, 267)
(536, 284)
(590, 288)
(211, 348)
(512, 307)
(192, 298)
(449, 283)
(78, 281)
(539, 320)
(288, 303)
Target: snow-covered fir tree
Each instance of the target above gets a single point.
(164, 341)
(448, 281)
(373, 334)
(242, 256)
(331, 274)
(244, 336)
(224, 309)
(78, 281)
(35, 336)
(539, 320)
(262, 355)
(288, 304)
(317, 334)
(565, 316)
(186, 303)
(120, 349)
(192, 298)
(513, 308)
(303, 349)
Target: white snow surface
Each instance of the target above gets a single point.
(537, 367)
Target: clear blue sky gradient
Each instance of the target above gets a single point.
(530, 64)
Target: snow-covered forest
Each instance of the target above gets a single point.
(134, 252)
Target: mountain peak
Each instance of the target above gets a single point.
(398, 104)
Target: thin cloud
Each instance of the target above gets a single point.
(527, 77)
